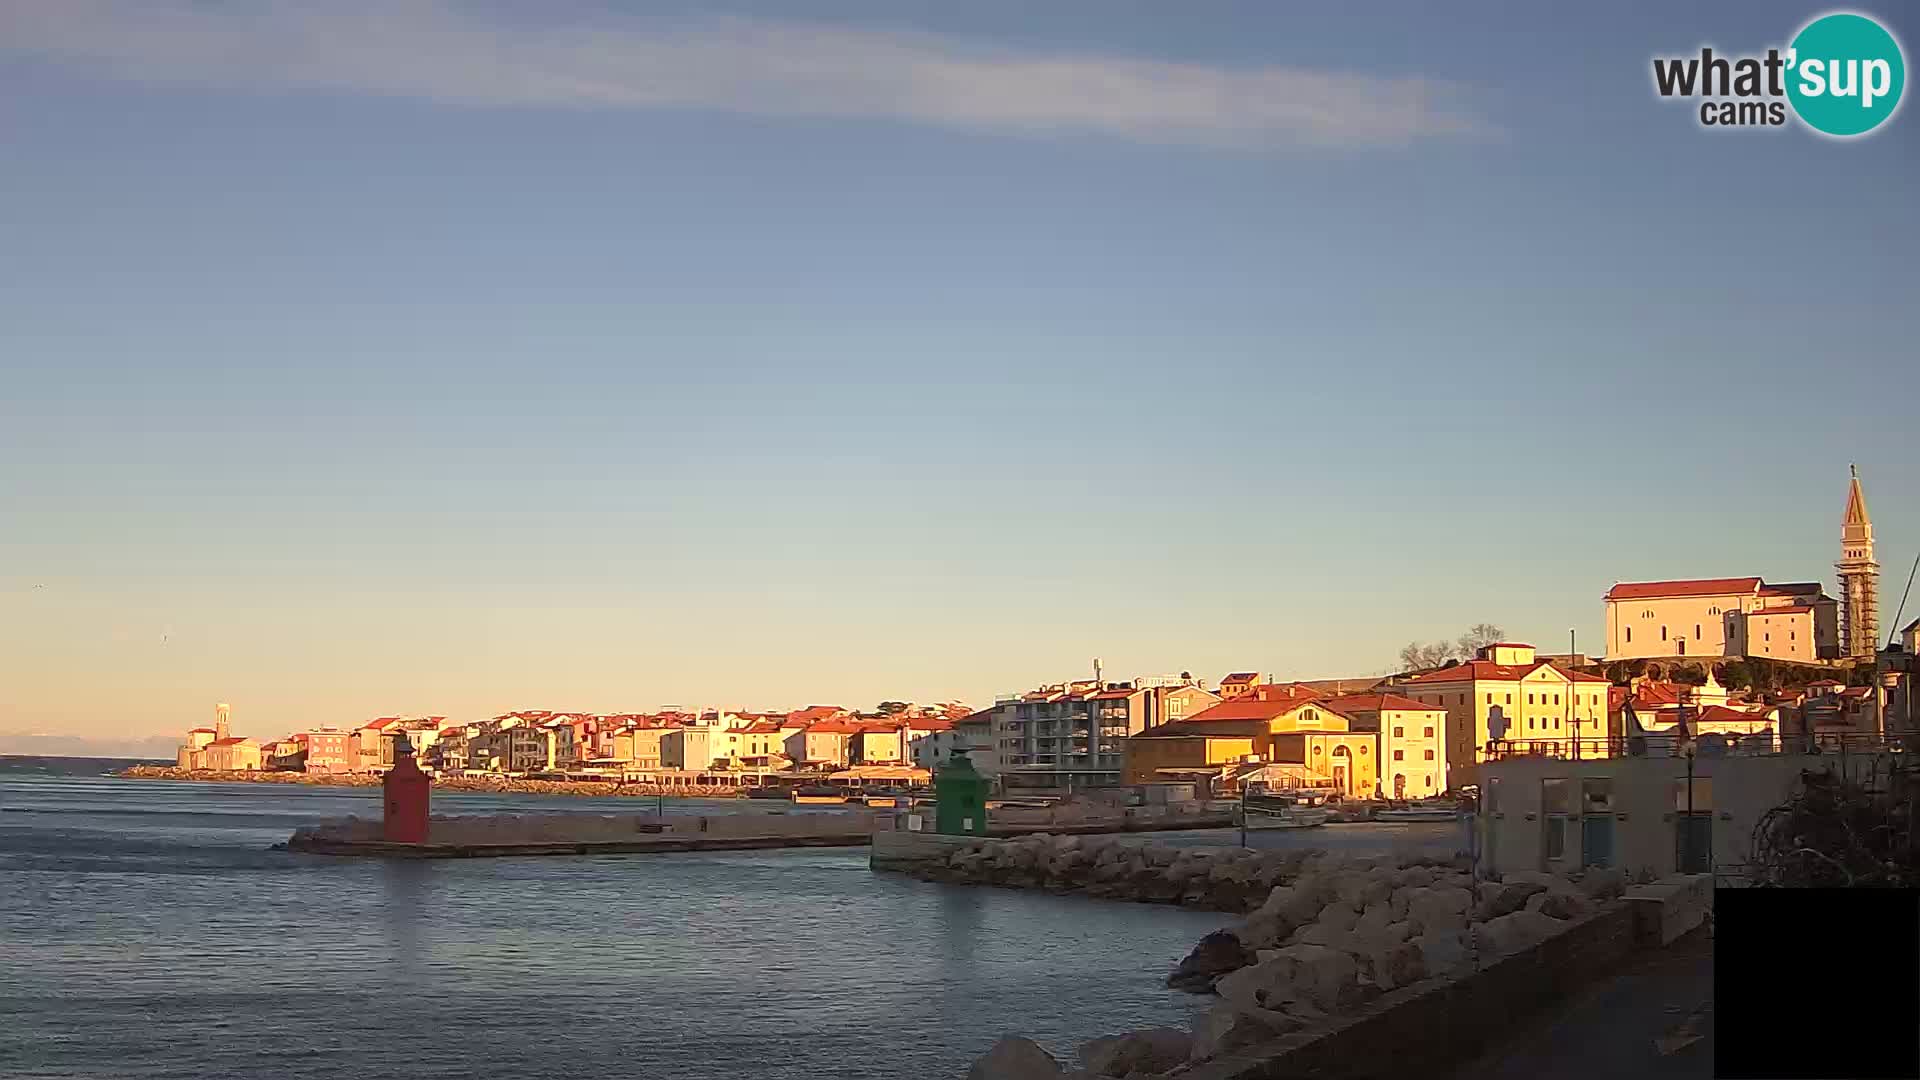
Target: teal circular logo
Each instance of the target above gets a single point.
(1845, 74)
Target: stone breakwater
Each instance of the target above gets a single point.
(1228, 879)
(486, 784)
(1322, 936)
(531, 830)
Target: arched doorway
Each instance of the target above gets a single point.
(1342, 770)
(1400, 786)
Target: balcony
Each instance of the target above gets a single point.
(1764, 744)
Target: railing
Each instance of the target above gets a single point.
(1707, 745)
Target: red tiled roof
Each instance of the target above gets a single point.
(1377, 702)
(1721, 712)
(1488, 671)
(1791, 609)
(815, 712)
(1254, 707)
(201, 731)
(1240, 677)
(832, 727)
(235, 741)
(1652, 590)
(1113, 695)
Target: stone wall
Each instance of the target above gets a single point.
(1346, 966)
(1112, 867)
(1445, 1019)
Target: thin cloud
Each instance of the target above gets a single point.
(441, 52)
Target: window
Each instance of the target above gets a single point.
(1790, 635)
(1429, 755)
(1629, 633)
(1556, 699)
(1319, 749)
(1596, 795)
(1663, 633)
(1399, 733)
(1363, 749)
(1399, 755)
(1766, 637)
(1702, 795)
(1529, 723)
(1489, 699)
(1429, 780)
(1696, 631)
(1509, 699)
(1529, 699)
(1554, 808)
(1429, 731)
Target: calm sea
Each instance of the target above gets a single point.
(147, 930)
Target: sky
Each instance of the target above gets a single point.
(422, 357)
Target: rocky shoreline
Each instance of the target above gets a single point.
(1322, 935)
(485, 784)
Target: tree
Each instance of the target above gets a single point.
(1477, 637)
(893, 708)
(1416, 656)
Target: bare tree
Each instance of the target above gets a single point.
(1418, 656)
(1477, 637)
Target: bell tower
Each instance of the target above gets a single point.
(1859, 576)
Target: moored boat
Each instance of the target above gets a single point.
(1284, 817)
(1426, 810)
(819, 795)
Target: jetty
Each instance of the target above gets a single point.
(498, 835)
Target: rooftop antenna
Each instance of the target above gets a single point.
(1096, 673)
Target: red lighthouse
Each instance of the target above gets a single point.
(406, 790)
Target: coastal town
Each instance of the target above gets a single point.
(1740, 663)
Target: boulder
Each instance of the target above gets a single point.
(1223, 1029)
(1153, 1050)
(1438, 907)
(1532, 877)
(1415, 877)
(1015, 1058)
(1327, 977)
(1510, 934)
(1442, 953)
(1217, 954)
(1389, 963)
(1338, 915)
(1375, 919)
(1603, 883)
(1499, 898)
(1563, 905)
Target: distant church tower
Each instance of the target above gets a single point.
(1859, 577)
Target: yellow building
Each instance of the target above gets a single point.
(232, 755)
(1267, 725)
(1526, 700)
(1413, 741)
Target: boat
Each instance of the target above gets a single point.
(771, 791)
(1420, 811)
(1256, 817)
(819, 795)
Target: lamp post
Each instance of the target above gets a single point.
(1686, 830)
(1573, 712)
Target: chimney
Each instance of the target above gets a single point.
(1096, 674)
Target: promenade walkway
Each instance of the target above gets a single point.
(1652, 1020)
